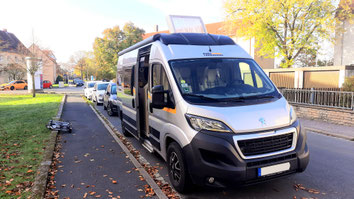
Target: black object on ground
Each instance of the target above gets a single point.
(59, 126)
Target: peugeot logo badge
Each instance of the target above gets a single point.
(262, 121)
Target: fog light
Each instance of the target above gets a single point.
(211, 180)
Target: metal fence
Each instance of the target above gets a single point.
(334, 99)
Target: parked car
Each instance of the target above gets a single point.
(110, 99)
(47, 84)
(79, 83)
(14, 85)
(98, 92)
(88, 89)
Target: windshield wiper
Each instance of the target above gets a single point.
(260, 97)
(201, 97)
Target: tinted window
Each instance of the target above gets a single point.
(102, 86)
(91, 85)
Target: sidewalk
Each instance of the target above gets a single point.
(92, 164)
(340, 131)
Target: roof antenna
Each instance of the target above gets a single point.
(209, 49)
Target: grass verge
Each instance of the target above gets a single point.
(23, 136)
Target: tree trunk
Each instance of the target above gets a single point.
(33, 86)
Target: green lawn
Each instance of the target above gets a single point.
(57, 85)
(22, 137)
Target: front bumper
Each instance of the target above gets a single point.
(212, 154)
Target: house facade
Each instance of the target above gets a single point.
(247, 44)
(344, 41)
(12, 57)
(49, 62)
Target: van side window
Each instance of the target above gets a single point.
(128, 80)
(159, 76)
(250, 77)
(156, 71)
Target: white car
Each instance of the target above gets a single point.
(98, 92)
(88, 89)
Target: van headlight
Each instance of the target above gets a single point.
(293, 116)
(202, 123)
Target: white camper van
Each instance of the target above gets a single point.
(202, 103)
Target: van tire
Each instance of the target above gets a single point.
(12, 88)
(25, 88)
(125, 131)
(175, 159)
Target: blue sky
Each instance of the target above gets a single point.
(67, 26)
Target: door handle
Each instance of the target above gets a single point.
(133, 103)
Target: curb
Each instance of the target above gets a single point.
(327, 133)
(141, 169)
(40, 181)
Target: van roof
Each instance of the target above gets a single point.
(183, 39)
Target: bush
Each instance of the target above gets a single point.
(59, 78)
(348, 84)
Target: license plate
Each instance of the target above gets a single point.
(273, 169)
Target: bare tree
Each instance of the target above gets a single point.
(33, 66)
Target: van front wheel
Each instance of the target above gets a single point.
(177, 168)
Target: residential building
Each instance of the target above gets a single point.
(49, 62)
(12, 57)
(344, 40)
(247, 44)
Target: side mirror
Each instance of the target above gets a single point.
(160, 98)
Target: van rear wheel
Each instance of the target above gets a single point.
(177, 168)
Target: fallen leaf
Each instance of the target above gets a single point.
(85, 195)
(92, 193)
(114, 181)
(29, 171)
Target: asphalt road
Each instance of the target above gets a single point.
(92, 162)
(330, 171)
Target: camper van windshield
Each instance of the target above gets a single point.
(222, 79)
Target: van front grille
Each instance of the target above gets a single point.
(265, 145)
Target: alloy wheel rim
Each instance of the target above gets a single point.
(175, 167)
